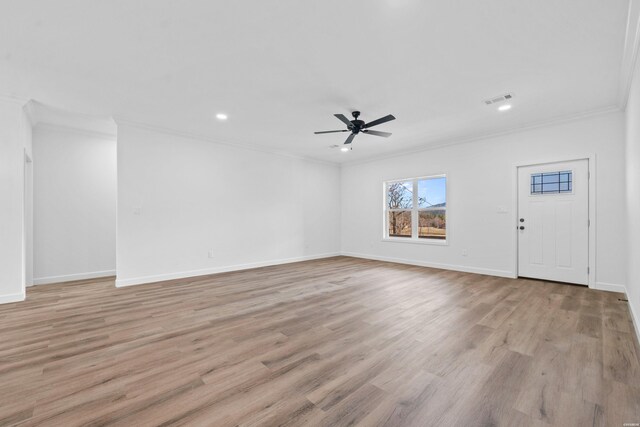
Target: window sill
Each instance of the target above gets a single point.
(435, 242)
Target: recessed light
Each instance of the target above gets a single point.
(504, 107)
(344, 149)
(221, 116)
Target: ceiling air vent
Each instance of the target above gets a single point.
(497, 99)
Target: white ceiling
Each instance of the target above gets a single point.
(281, 69)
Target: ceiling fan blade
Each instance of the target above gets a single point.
(377, 133)
(332, 131)
(350, 138)
(380, 121)
(344, 120)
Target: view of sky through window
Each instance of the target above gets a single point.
(432, 192)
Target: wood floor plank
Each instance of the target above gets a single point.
(331, 342)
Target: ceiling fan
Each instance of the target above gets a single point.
(356, 126)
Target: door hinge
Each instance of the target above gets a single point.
(588, 174)
(588, 270)
(588, 223)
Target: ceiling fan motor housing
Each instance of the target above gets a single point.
(357, 125)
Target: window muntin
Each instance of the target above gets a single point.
(552, 182)
(416, 209)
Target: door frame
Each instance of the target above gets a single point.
(591, 158)
(27, 219)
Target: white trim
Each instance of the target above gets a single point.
(215, 270)
(14, 98)
(417, 241)
(6, 299)
(591, 158)
(610, 287)
(42, 114)
(634, 318)
(463, 268)
(237, 145)
(30, 111)
(71, 277)
(448, 142)
(80, 131)
(416, 178)
(629, 54)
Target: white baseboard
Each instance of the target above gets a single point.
(5, 299)
(71, 277)
(622, 289)
(463, 268)
(634, 318)
(611, 287)
(206, 271)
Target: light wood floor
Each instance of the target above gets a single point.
(332, 342)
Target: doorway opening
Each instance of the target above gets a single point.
(73, 197)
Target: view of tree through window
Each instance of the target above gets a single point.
(417, 208)
(399, 199)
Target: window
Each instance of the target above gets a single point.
(552, 182)
(416, 209)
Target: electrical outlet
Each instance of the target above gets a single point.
(210, 253)
(465, 252)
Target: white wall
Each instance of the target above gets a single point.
(633, 195)
(74, 204)
(15, 141)
(481, 178)
(179, 198)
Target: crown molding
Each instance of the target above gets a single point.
(45, 116)
(448, 142)
(17, 99)
(120, 120)
(630, 53)
(76, 130)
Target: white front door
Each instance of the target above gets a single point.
(553, 221)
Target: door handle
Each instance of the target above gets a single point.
(521, 227)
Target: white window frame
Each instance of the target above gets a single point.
(414, 239)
